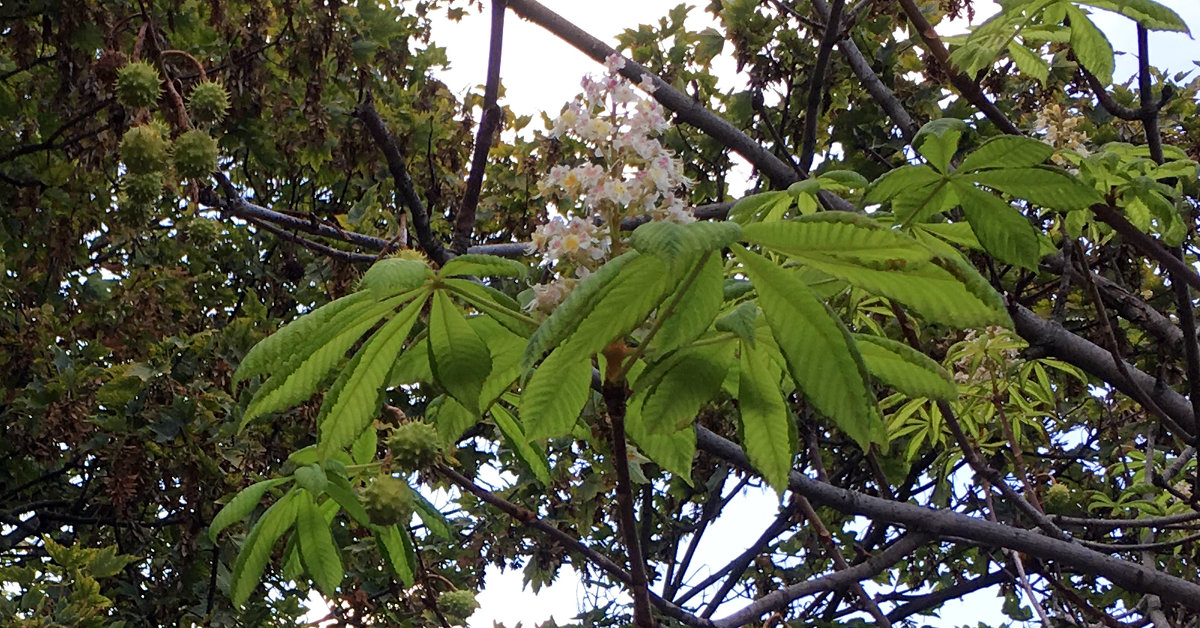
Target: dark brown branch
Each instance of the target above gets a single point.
(1148, 245)
(852, 575)
(947, 523)
(839, 561)
(614, 402)
(1113, 524)
(1139, 547)
(965, 86)
(816, 85)
(404, 184)
(953, 592)
(736, 567)
(328, 251)
(464, 222)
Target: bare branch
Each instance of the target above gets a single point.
(816, 85)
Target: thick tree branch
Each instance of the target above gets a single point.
(1148, 245)
(947, 523)
(816, 84)
(404, 184)
(464, 222)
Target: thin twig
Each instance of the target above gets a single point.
(816, 84)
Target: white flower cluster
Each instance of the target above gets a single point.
(632, 174)
(1059, 126)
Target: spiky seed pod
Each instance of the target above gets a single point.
(387, 500)
(138, 85)
(143, 188)
(457, 605)
(208, 102)
(414, 446)
(195, 154)
(1057, 496)
(144, 149)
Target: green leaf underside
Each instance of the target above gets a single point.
(532, 456)
(1007, 151)
(841, 236)
(905, 369)
(394, 275)
(631, 296)
(458, 356)
(1002, 230)
(273, 349)
(450, 418)
(673, 241)
(821, 357)
(1041, 186)
(670, 392)
(764, 418)
(937, 141)
(302, 374)
(555, 394)
(672, 451)
(241, 505)
(256, 551)
(317, 549)
(433, 518)
(891, 184)
(397, 552)
(482, 266)
(760, 205)
(695, 310)
(340, 491)
(355, 399)
(495, 304)
(1152, 15)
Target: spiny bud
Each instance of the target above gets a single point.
(142, 188)
(144, 149)
(208, 102)
(414, 446)
(195, 154)
(1057, 496)
(457, 605)
(138, 85)
(387, 500)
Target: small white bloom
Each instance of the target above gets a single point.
(614, 62)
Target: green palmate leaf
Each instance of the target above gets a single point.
(256, 551)
(821, 357)
(764, 418)
(364, 447)
(631, 296)
(1002, 230)
(937, 141)
(340, 491)
(274, 349)
(696, 309)
(555, 394)
(532, 456)
(395, 275)
(1041, 186)
(1007, 151)
(672, 451)
(506, 349)
(482, 266)
(1029, 62)
(412, 366)
(842, 180)
(1090, 46)
(671, 391)
(841, 236)
(919, 204)
(433, 518)
(397, 552)
(495, 304)
(674, 242)
(356, 397)
(304, 372)
(757, 206)
(311, 478)
(900, 180)
(241, 505)
(1150, 14)
(905, 369)
(321, 559)
(959, 233)
(450, 418)
(458, 356)
(577, 306)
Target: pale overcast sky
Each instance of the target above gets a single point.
(541, 73)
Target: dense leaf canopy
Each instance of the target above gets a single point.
(283, 314)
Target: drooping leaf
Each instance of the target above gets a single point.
(355, 399)
(672, 391)
(755, 206)
(821, 357)
(555, 394)
(450, 418)
(905, 369)
(394, 275)
(241, 505)
(674, 242)
(365, 446)
(741, 321)
(256, 551)
(340, 490)
(321, 559)
(1029, 62)
(894, 182)
(1040, 186)
(397, 552)
(458, 356)
(937, 141)
(531, 455)
(764, 418)
(482, 266)
(273, 349)
(495, 304)
(1007, 151)
(695, 310)
(1001, 229)
(672, 451)
(311, 478)
(433, 518)
(839, 235)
